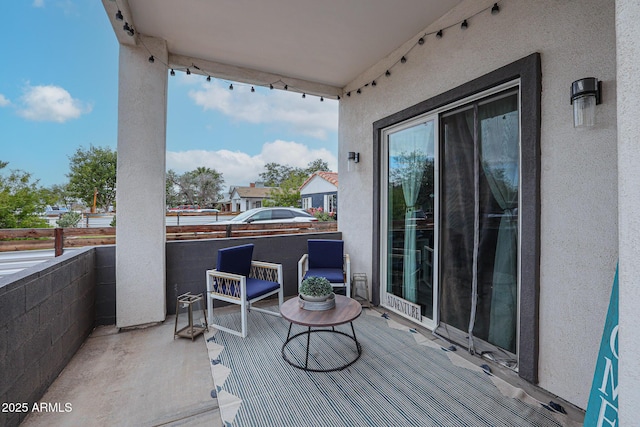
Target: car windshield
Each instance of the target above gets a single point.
(244, 215)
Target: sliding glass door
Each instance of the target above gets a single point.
(450, 221)
(410, 212)
(479, 233)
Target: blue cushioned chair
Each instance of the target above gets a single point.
(239, 280)
(326, 258)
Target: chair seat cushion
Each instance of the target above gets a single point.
(334, 275)
(255, 288)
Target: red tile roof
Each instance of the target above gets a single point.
(331, 177)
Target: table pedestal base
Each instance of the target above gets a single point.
(308, 332)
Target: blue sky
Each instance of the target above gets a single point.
(58, 92)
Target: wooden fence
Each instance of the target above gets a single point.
(21, 239)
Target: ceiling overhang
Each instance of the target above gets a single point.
(313, 46)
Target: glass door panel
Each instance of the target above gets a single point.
(410, 181)
(479, 220)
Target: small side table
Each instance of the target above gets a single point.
(190, 330)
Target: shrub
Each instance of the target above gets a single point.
(315, 286)
(69, 219)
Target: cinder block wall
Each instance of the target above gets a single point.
(46, 313)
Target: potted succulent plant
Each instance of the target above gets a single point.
(315, 289)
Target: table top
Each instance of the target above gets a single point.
(346, 310)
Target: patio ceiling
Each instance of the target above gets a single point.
(314, 46)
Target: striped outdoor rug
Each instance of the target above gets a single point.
(402, 379)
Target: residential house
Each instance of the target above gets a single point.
(245, 198)
(320, 190)
(476, 201)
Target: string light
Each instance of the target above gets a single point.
(464, 24)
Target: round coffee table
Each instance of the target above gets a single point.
(346, 311)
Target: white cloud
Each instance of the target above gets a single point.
(307, 116)
(4, 101)
(50, 103)
(38, 3)
(240, 168)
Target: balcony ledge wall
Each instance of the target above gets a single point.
(188, 260)
(46, 313)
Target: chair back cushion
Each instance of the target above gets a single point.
(325, 253)
(236, 259)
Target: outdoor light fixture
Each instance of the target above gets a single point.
(352, 157)
(585, 95)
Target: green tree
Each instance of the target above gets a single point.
(288, 193)
(288, 181)
(58, 195)
(20, 200)
(91, 169)
(201, 186)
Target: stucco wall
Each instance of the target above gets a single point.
(578, 168)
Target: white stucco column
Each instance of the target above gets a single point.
(140, 202)
(628, 91)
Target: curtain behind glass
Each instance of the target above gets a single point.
(408, 150)
(499, 152)
(458, 218)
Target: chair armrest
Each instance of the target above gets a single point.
(303, 266)
(269, 271)
(347, 269)
(226, 284)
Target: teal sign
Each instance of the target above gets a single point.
(602, 409)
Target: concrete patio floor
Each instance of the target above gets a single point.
(140, 377)
(143, 377)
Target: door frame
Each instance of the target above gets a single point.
(528, 70)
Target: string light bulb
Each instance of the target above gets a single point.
(403, 60)
(421, 40)
(338, 97)
(208, 78)
(387, 73)
(495, 9)
(231, 86)
(271, 86)
(321, 99)
(128, 29)
(304, 95)
(173, 73)
(286, 87)
(373, 83)
(253, 89)
(358, 91)
(119, 16)
(464, 25)
(439, 34)
(188, 72)
(151, 59)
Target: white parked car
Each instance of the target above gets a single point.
(270, 215)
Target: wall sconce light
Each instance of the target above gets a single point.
(352, 157)
(585, 95)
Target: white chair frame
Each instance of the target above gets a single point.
(226, 281)
(303, 267)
